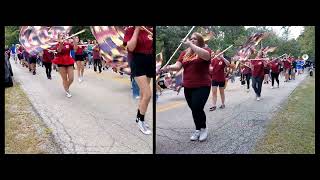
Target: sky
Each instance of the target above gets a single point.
(295, 31)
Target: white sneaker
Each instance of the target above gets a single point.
(203, 134)
(195, 136)
(68, 94)
(79, 79)
(143, 128)
(137, 97)
(272, 87)
(258, 99)
(247, 90)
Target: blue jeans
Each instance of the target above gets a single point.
(90, 58)
(135, 88)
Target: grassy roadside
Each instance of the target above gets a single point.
(25, 132)
(292, 129)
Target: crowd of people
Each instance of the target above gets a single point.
(71, 54)
(204, 69)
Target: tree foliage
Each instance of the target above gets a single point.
(169, 37)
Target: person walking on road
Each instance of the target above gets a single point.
(139, 43)
(195, 61)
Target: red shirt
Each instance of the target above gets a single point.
(286, 64)
(275, 67)
(144, 41)
(96, 52)
(196, 71)
(258, 68)
(20, 50)
(218, 66)
(65, 51)
(47, 56)
(80, 50)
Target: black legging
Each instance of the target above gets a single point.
(196, 99)
(97, 62)
(274, 76)
(248, 76)
(48, 68)
(257, 85)
(245, 77)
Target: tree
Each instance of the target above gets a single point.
(84, 36)
(307, 41)
(286, 32)
(11, 35)
(169, 38)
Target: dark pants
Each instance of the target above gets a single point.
(245, 78)
(97, 62)
(48, 66)
(248, 76)
(196, 99)
(256, 85)
(274, 76)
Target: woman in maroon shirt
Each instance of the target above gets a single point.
(195, 61)
(287, 66)
(246, 72)
(139, 43)
(217, 67)
(257, 74)
(47, 57)
(79, 57)
(275, 70)
(64, 62)
(96, 57)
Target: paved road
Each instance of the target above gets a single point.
(99, 118)
(233, 130)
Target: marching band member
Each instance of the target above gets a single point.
(65, 63)
(275, 70)
(286, 68)
(140, 44)
(195, 61)
(79, 57)
(246, 71)
(47, 57)
(257, 74)
(217, 67)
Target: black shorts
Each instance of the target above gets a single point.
(32, 60)
(64, 65)
(266, 71)
(220, 84)
(79, 57)
(142, 64)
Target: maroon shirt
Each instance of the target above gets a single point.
(196, 70)
(80, 50)
(275, 67)
(218, 66)
(65, 51)
(96, 52)
(258, 68)
(47, 56)
(286, 64)
(144, 41)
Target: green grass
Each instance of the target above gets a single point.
(292, 129)
(21, 135)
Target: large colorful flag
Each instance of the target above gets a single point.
(110, 40)
(36, 38)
